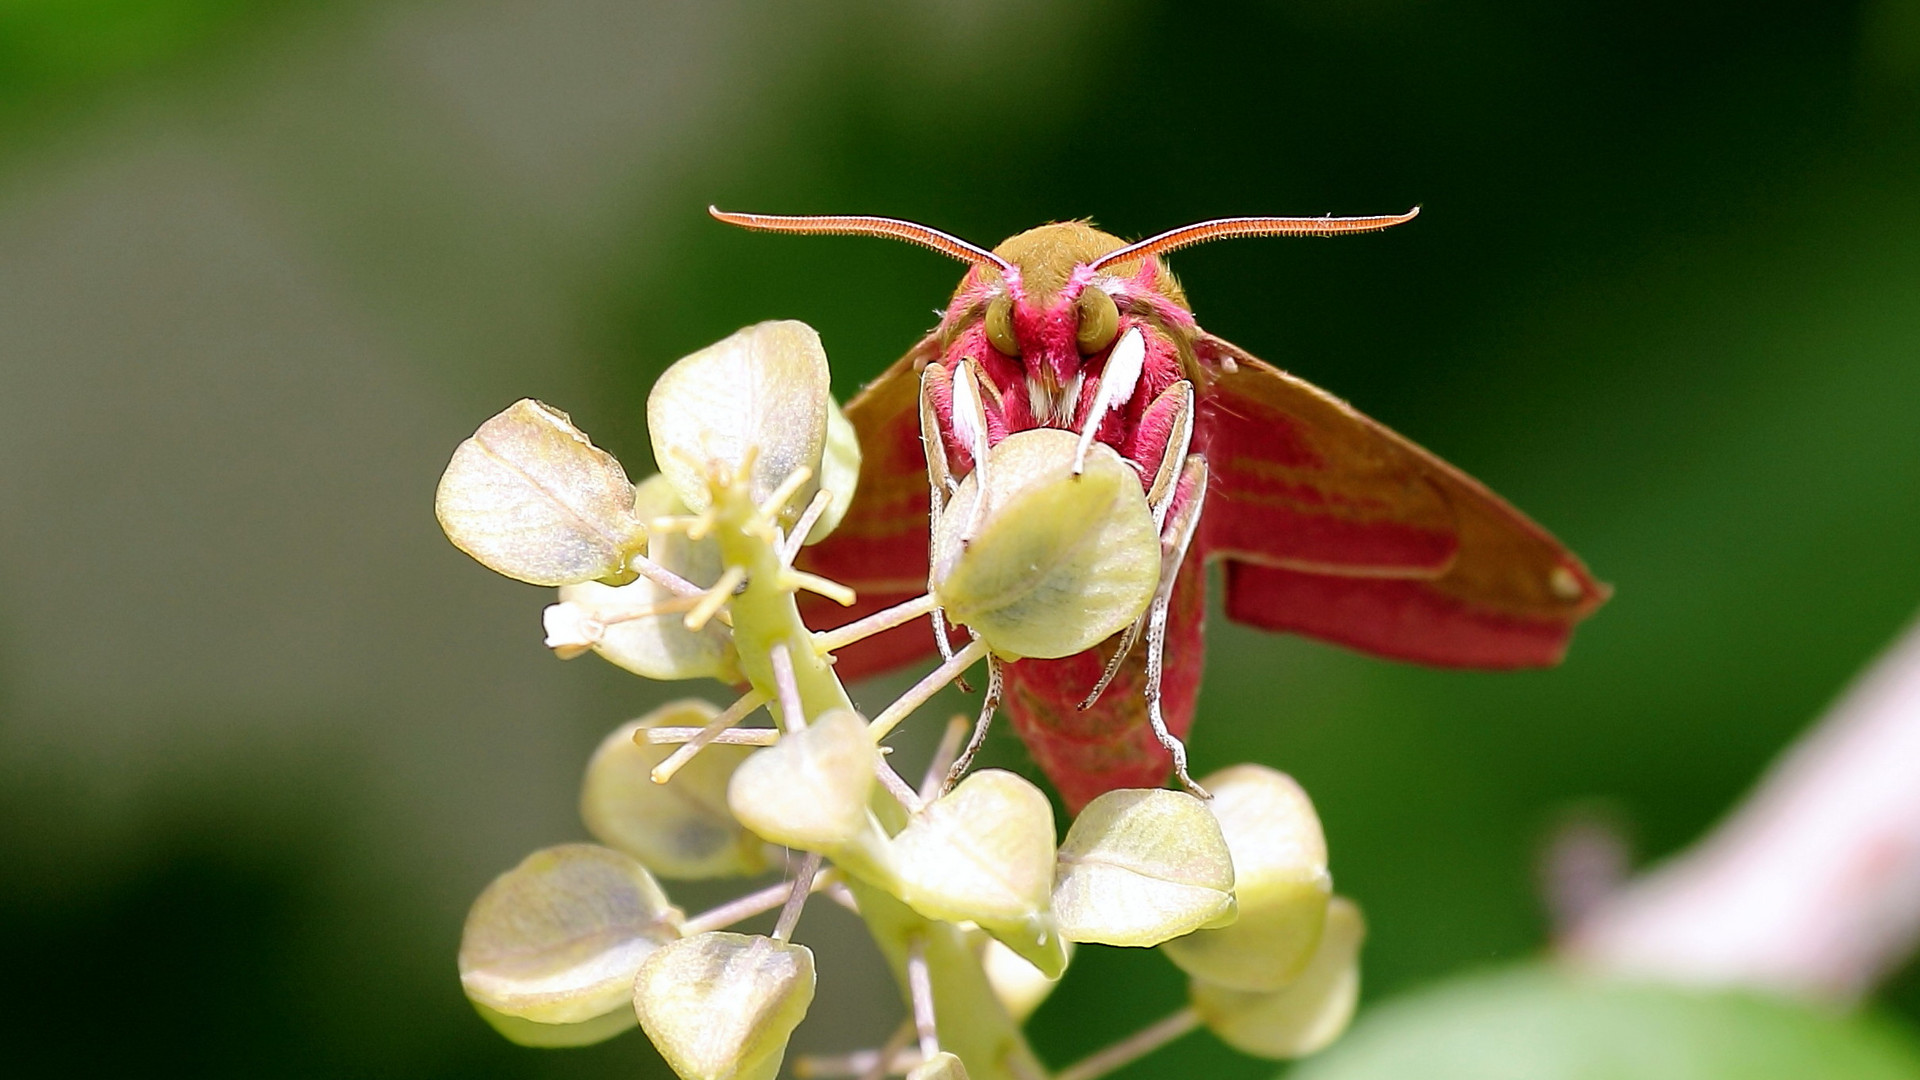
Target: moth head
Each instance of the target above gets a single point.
(1051, 310)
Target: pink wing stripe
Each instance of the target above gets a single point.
(1272, 531)
(1398, 619)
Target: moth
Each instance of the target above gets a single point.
(1328, 523)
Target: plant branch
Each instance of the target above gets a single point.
(1132, 1048)
(1811, 885)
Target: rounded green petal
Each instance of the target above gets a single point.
(810, 789)
(1057, 562)
(1140, 866)
(721, 1006)
(983, 853)
(560, 1036)
(760, 397)
(1281, 884)
(531, 497)
(679, 829)
(557, 939)
(1306, 1016)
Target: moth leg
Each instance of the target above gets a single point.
(940, 484)
(1174, 538)
(1130, 638)
(980, 726)
(1173, 411)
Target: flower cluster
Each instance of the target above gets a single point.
(961, 878)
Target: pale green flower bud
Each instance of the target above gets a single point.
(721, 1006)
(679, 829)
(559, 1036)
(1280, 883)
(1019, 985)
(1055, 563)
(810, 789)
(941, 1066)
(983, 853)
(1140, 866)
(759, 396)
(601, 617)
(1309, 1013)
(557, 939)
(529, 496)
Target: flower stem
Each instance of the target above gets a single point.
(1132, 1048)
(668, 736)
(974, 1025)
(797, 897)
(885, 619)
(920, 990)
(754, 903)
(715, 729)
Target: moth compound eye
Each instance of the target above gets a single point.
(1099, 320)
(1000, 325)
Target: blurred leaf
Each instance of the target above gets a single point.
(51, 45)
(1535, 1023)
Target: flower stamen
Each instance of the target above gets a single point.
(826, 641)
(792, 718)
(719, 594)
(734, 713)
(891, 716)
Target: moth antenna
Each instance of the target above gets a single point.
(1224, 228)
(864, 225)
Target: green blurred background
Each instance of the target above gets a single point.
(264, 733)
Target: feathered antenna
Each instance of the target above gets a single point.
(1222, 228)
(862, 225)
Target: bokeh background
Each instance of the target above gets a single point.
(264, 733)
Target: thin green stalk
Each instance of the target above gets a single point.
(972, 1022)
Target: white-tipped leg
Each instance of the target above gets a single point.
(1118, 380)
(1174, 539)
(980, 726)
(939, 486)
(970, 426)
